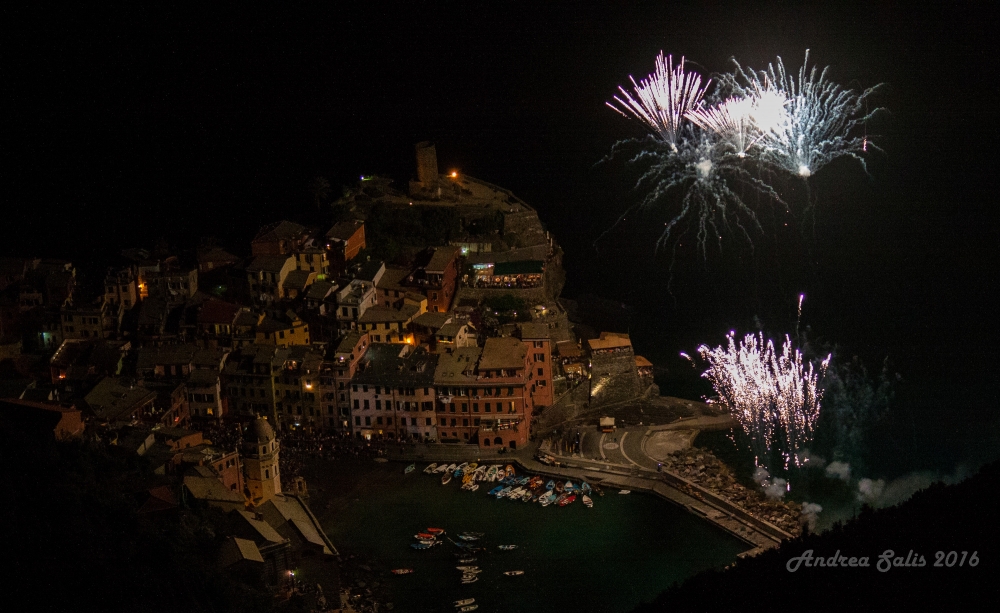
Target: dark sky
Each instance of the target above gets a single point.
(125, 123)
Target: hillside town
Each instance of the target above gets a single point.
(220, 370)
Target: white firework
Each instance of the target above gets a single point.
(775, 396)
(663, 99)
(807, 120)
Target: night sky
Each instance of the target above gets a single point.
(125, 124)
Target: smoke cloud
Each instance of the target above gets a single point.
(880, 493)
(839, 470)
(810, 512)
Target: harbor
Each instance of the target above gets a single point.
(632, 546)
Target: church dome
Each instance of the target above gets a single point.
(259, 432)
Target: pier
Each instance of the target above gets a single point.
(758, 534)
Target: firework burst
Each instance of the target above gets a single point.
(663, 99)
(767, 120)
(775, 396)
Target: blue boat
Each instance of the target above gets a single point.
(523, 481)
(420, 546)
(496, 490)
(585, 488)
(551, 484)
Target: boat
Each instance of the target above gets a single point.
(504, 492)
(475, 534)
(466, 560)
(446, 479)
(472, 467)
(508, 469)
(598, 490)
(567, 500)
(470, 486)
(547, 498)
(462, 603)
(500, 474)
(420, 545)
(468, 537)
(468, 607)
(436, 531)
(402, 571)
(569, 487)
(506, 547)
(424, 535)
(624, 491)
(495, 491)
(588, 501)
(471, 579)
(441, 468)
(430, 468)
(550, 485)
(515, 493)
(491, 473)
(427, 542)
(451, 468)
(585, 487)
(513, 573)
(469, 569)
(409, 469)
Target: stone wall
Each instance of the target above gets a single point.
(613, 378)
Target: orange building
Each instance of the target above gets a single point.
(344, 240)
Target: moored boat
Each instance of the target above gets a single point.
(424, 535)
(468, 607)
(471, 579)
(508, 469)
(506, 547)
(409, 469)
(588, 501)
(550, 485)
(513, 573)
(437, 531)
(547, 498)
(402, 571)
(585, 487)
(430, 468)
(624, 491)
(446, 479)
(504, 492)
(466, 560)
(420, 545)
(567, 500)
(462, 603)
(469, 569)
(468, 537)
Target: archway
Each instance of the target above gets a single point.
(513, 445)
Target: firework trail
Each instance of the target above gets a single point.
(701, 156)
(775, 396)
(662, 100)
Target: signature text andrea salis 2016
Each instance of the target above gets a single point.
(886, 561)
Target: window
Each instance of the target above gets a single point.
(378, 405)
(357, 403)
(475, 407)
(487, 408)
(354, 387)
(475, 422)
(366, 404)
(281, 334)
(510, 391)
(378, 420)
(465, 422)
(453, 421)
(378, 389)
(541, 372)
(388, 420)
(427, 421)
(368, 421)
(427, 391)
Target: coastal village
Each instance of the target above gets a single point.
(226, 372)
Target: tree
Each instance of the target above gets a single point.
(320, 190)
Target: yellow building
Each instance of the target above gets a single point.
(260, 462)
(289, 330)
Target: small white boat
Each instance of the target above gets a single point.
(431, 468)
(624, 491)
(506, 547)
(468, 607)
(513, 573)
(471, 579)
(441, 468)
(462, 603)
(451, 468)
(445, 479)
(469, 569)
(588, 501)
(409, 469)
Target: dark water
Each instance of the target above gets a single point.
(623, 551)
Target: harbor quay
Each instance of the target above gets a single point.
(757, 533)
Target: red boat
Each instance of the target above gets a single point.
(438, 531)
(402, 571)
(425, 537)
(567, 500)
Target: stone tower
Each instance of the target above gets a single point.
(427, 167)
(260, 462)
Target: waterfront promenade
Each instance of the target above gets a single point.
(616, 461)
